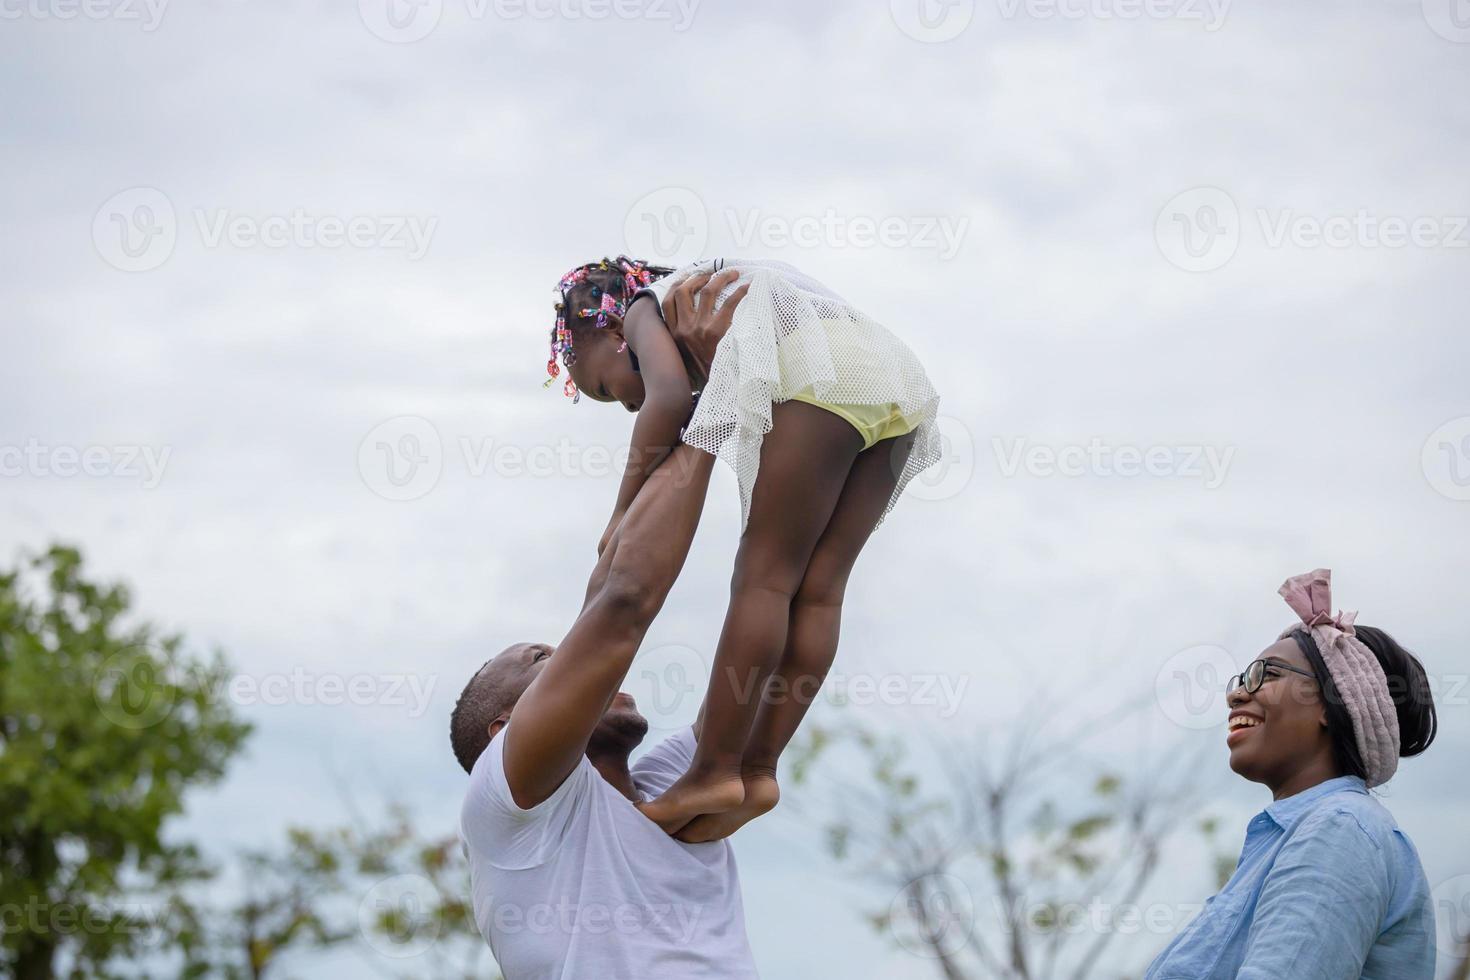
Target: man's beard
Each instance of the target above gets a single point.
(619, 731)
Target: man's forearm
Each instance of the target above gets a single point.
(555, 718)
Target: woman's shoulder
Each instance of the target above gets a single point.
(1351, 812)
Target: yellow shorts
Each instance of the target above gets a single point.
(873, 422)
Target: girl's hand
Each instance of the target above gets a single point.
(696, 325)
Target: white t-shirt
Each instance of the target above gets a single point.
(585, 887)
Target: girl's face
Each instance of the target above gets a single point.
(1281, 729)
(604, 373)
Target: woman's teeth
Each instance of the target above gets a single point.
(1243, 721)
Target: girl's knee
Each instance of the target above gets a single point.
(774, 577)
(821, 587)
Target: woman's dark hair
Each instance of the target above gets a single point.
(1408, 687)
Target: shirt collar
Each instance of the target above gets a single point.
(1289, 811)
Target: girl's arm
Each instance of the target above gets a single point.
(667, 397)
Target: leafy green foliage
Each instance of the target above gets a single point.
(104, 727)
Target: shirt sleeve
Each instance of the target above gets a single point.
(496, 828)
(661, 765)
(1322, 906)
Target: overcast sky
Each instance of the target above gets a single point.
(1190, 276)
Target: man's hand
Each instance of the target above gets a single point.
(697, 326)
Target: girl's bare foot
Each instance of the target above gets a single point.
(692, 795)
(761, 796)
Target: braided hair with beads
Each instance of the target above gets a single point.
(589, 294)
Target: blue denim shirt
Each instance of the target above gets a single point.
(1327, 888)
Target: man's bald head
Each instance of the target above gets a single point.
(489, 697)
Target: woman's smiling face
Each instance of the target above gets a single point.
(1280, 730)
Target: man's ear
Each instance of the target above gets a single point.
(497, 724)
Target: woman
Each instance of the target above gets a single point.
(1327, 887)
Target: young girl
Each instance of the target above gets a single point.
(824, 415)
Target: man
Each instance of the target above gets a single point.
(569, 879)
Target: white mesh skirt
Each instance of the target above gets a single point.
(792, 336)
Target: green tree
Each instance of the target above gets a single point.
(408, 895)
(105, 724)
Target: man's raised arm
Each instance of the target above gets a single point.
(552, 722)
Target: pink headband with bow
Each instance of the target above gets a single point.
(1356, 672)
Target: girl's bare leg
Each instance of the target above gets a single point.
(811, 639)
(805, 461)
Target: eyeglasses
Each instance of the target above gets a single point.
(1255, 675)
